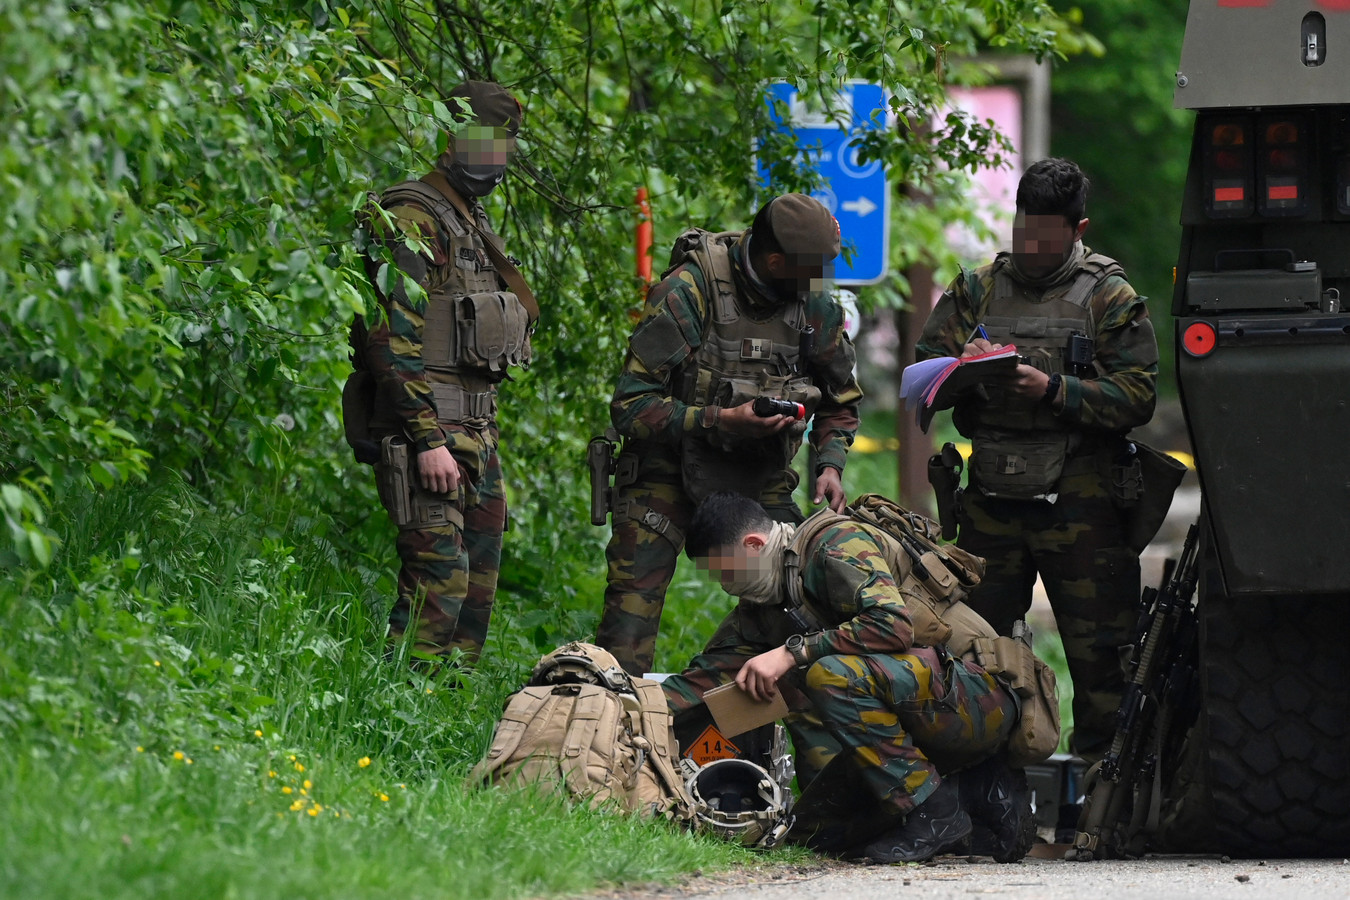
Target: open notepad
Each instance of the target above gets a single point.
(933, 384)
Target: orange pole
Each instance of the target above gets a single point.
(644, 239)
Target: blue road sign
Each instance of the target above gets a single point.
(857, 193)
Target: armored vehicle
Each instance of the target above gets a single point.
(1263, 365)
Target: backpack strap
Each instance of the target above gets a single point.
(657, 726)
(521, 709)
(582, 727)
(803, 538)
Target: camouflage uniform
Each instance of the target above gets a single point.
(1076, 543)
(895, 715)
(655, 505)
(448, 579)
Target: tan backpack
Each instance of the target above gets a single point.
(934, 580)
(584, 727)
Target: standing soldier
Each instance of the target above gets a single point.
(1048, 456)
(739, 316)
(422, 404)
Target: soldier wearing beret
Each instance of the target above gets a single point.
(421, 406)
(738, 316)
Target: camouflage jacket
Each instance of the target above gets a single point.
(391, 348)
(643, 407)
(849, 585)
(1124, 392)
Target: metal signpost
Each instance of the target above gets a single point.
(855, 192)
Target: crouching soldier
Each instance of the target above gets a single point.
(880, 725)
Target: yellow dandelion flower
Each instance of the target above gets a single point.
(257, 732)
(286, 789)
(297, 806)
(299, 767)
(313, 810)
(291, 757)
(308, 783)
(140, 749)
(156, 663)
(336, 814)
(362, 762)
(271, 774)
(215, 747)
(401, 787)
(178, 754)
(304, 793)
(188, 760)
(384, 798)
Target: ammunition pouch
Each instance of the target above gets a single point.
(1019, 465)
(493, 331)
(456, 406)
(1143, 481)
(487, 331)
(1032, 684)
(411, 507)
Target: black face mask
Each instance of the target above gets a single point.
(476, 180)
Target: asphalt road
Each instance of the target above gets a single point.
(1152, 878)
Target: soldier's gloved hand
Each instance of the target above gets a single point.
(830, 488)
(437, 470)
(742, 422)
(759, 677)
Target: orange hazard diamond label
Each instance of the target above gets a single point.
(710, 745)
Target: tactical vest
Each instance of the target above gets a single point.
(739, 358)
(934, 579)
(473, 330)
(1019, 445)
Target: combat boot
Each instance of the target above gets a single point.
(937, 824)
(999, 803)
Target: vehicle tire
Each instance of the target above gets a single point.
(1276, 715)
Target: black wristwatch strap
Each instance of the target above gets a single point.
(796, 645)
(1052, 389)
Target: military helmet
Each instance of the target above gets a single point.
(738, 800)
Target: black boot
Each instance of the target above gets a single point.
(999, 803)
(936, 824)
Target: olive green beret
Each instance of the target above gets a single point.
(804, 226)
(491, 105)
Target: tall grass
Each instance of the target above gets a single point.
(198, 705)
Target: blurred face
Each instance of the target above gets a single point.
(1041, 243)
(738, 564)
(482, 145)
(799, 273)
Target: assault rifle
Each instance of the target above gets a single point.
(1159, 695)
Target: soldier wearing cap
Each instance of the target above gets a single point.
(421, 406)
(738, 316)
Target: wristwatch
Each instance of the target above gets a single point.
(796, 645)
(1052, 388)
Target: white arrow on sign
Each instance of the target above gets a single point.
(862, 206)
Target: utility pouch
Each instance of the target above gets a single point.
(358, 401)
(492, 332)
(601, 461)
(409, 506)
(1017, 467)
(705, 469)
(1159, 477)
(1012, 662)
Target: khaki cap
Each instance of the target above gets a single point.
(491, 103)
(804, 226)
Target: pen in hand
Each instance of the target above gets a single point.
(979, 332)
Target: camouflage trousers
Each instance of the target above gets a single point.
(448, 579)
(650, 516)
(872, 733)
(1077, 545)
